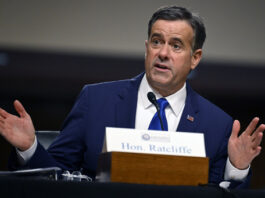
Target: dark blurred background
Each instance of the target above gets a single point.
(50, 50)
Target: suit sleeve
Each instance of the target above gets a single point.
(66, 151)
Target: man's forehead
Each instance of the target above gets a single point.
(176, 28)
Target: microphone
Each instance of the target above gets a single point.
(152, 98)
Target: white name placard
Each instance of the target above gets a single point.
(154, 142)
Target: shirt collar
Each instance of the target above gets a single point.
(176, 101)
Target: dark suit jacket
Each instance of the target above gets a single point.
(113, 104)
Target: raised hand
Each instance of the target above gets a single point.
(18, 131)
(244, 148)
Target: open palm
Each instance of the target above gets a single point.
(17, 130)
(244, 148)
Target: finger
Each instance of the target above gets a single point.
(257, 140)
(3, 113)
(20, 109)
(252, 125)
(235, 129)
(258, 133)
(2, 120)
(257, 151)
(260, 129)
(2, 127)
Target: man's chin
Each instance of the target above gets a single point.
(158, 85)
(161, 81)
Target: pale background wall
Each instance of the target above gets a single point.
(235, 28)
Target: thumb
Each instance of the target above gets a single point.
(235, 129)
(20, 109)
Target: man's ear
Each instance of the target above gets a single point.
(146, 47)
(195, 59)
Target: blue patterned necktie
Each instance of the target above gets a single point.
(155, 123)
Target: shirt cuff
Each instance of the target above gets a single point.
(24, 156)
(232, 173)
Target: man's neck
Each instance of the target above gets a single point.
(165, 91)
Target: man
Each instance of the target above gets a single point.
(173, 49)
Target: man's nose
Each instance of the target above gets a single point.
(164, 52)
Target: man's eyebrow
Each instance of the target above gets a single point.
(177, 39)
(156, 35)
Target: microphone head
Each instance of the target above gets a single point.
(151, 97)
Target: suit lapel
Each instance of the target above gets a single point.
(126, 103)
(189, 118)
(125, 108)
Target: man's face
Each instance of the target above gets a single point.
(169, 57)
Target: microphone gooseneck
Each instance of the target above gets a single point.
(152, 98)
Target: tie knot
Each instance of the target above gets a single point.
(163, 103)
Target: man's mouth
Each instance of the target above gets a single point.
(161, 66)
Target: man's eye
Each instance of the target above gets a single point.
(155, 42)
(176, 46)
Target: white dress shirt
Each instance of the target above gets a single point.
(145, 110)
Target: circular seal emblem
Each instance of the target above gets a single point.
(146, 137)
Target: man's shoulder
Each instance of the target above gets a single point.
(97, 95)
(108, 85)
(212, 107)
(114, 85)
(207, 107)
